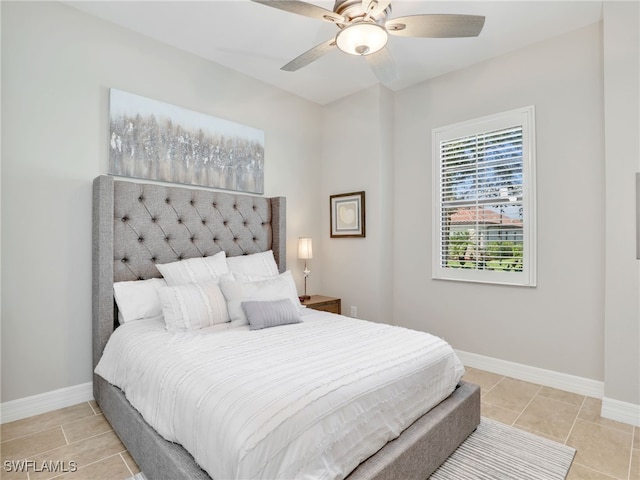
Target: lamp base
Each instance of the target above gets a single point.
(304, 298)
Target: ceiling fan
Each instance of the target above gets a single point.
(364, 26)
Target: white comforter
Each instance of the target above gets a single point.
(309, 400)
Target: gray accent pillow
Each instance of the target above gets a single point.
(265, 314)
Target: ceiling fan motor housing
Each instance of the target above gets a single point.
(351, 9)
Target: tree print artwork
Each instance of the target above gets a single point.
(158, 141)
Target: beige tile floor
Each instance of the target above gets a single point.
(79, 438)
(605, 449)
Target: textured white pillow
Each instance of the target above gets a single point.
(262, 263)
(274, 288)
(193, 306)
(195, 270)
(138, 299)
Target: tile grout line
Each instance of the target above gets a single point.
(46, 429)
(64, 435)
(527, 405)
(575, 420)
(633, 435)
(608, 428)
(595, 470)
(494, 385)
(566, 403)
(30, 434)
(67, 445)
(126, 464)
(93, 463)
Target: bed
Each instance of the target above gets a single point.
(139, 225)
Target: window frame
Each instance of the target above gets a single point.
(524, 117)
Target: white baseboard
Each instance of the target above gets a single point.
(45, 402)
(621, 411)
(548, 378)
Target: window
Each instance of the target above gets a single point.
(484, 200)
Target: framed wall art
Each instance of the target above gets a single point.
(347, 215)
(158, 141)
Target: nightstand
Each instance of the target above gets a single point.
(326, 304)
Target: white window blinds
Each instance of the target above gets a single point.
(484, 214)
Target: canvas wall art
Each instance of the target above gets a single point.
(157, 141)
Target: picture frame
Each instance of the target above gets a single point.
(347, 213)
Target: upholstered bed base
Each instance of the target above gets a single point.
(136, 226)
(415, 454)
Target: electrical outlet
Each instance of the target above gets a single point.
(354, 311)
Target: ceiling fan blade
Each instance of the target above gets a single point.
(310, 56)
(436, 26)
(304, 9)
(382, 65)
(374, 7)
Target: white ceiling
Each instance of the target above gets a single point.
(257, 40)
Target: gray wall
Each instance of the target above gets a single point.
(583, 319)
(557, 325)
(358, 155)
(58, 65)
(622, 154)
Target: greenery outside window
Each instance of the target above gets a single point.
(484, 199)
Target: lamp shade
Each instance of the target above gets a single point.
(361, 38)
(305, 248)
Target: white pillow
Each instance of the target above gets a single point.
(138, 299)
(195, 270)
(193, 306)
(274, 288)
(262, 263)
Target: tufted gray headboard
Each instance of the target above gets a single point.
(136, 225)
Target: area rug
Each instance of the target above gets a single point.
(496, 451)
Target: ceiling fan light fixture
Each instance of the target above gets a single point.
(362, 38)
